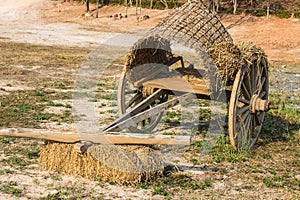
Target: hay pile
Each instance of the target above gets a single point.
(122, 164)
(152, 49)
(253, 54)
(229, 58)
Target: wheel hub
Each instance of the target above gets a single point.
(258, 104)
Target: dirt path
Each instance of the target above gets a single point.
(39, 22)
(20, 21)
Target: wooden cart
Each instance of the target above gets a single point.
(248, 103)
(143, 92)
(144, 86)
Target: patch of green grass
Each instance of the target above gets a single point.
(184, 181)
(107, 96)
(102, 105)
(281, 124)
(36, 181)
(167, 133)
(223, 151)
(59, 85)
(172, 116)
(4, 141)
(198, 144)
(42, 117)
(93, 100)
(33, 154)
(51, 103)
(283, 14)
(39, 94)
(142, 185)
(291, 72)
(24, 107)
(101, 84)
(194, 161)
(159, 190)
(204, 115)
(14, 161)
(112, 111)
(284, 180)
(9, 188)
(5, 171)
(68, 106)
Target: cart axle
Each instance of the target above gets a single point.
(258, 104)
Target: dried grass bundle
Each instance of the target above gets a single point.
(228, 59)
(124, 165)
(152, 49)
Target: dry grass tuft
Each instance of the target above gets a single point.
(124, 165)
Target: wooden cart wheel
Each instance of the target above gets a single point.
(129, 96)
(248, 105)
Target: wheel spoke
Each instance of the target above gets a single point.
(248, 84)
(244, 117)
(242, 110)
(244, 123)
(243, 132)
(245, 101)
(252, 127)
(253, 81)
(257, 119)
(246, 90)
(262, 94)
(133, 100)
(131, 92)
(261, 84)
(263, 80)
(248, 123)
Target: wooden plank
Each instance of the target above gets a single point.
(137, 109)
(197, 86)
(97, 138)
(133, 120)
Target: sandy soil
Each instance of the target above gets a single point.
(280, 38)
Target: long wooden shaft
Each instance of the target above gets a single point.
(97, 138)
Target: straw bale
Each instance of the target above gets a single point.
(253, 54)
(124, 165)
(152, 49)
(228, 59)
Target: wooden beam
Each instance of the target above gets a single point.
(197, 86)
(97, 138)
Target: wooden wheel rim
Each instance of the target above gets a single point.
(244, 126)
(141, 127)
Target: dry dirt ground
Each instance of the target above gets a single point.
(42, 41)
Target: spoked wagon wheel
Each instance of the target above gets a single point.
(248, 105)
(129, 96)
